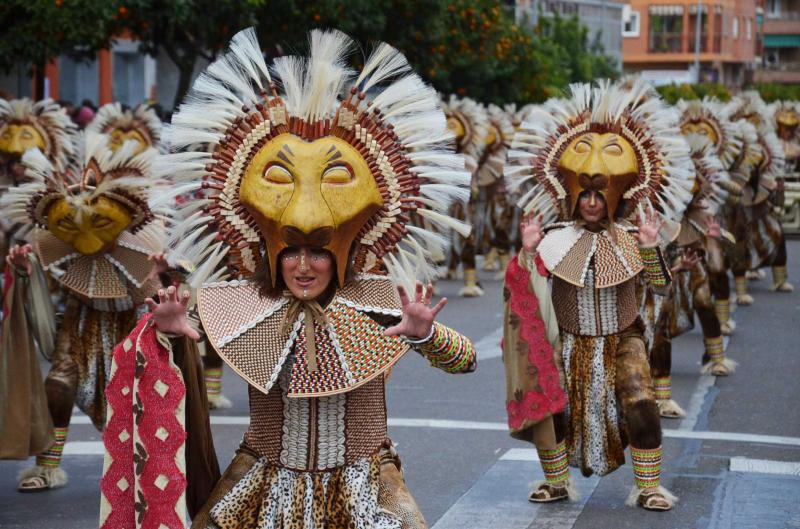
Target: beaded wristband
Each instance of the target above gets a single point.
(654, 266)
(448, 350)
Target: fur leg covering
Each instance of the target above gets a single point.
(52, 477)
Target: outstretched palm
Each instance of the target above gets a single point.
(169, 314)
(418, 315)
(530, 230)
(18, 257)
(649, 226)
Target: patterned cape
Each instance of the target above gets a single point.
(534, 382)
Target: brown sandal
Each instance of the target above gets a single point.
(653, 500)
(546, 493)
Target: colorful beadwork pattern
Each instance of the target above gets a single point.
(646, 467)
(555, 463)
(448, 350)
(715, 349)
(52, 457)
(213, 377)
(663, 387)
(654, 266)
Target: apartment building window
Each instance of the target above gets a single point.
(748, 24)
(735, 28)
(718, 29)
(773, 8)
(666, 29)
(630, 22)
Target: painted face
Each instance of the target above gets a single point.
(315, 194)
(307, 272)
(701, 128)
(457, 128)
(93, 229)
(120, 136)
(16, 138)
(592, 206)
(605, 163)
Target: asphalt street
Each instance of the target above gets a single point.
(734, 461)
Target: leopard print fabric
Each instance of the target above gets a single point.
(273, 497)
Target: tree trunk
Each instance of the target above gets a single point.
(186, 68)
(39, 76)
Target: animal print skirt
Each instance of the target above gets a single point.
(273, 497)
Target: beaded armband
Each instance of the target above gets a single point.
(655, 267)
(448, 350)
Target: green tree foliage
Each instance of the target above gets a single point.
(468, 47)
(672, 92)
(186, 30)
(35, 32)
(773, 91)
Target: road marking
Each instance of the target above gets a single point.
(704, 384)
(764, 466)
(489, 346)
(498, 499)
(447, 424)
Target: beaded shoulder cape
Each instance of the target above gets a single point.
(568, 249)
(248, 332)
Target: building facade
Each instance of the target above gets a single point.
(781, 42)
(659, 40)
(602, 17)
(120, 73)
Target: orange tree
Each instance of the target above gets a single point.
(468, 47)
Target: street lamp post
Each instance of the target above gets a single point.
(697, 29)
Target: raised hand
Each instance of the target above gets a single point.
(649, 226)
(18, 257)
(418, 315)
(530, 230)
(160, 262)
(713, 229)
(169, 314)
(689, 258)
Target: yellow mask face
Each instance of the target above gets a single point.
(118, 137)
(17, 138)
(457, 128)
(317, 193)
(93, 230)
(605, 163)
(491, 136)
(787, 122)
(701, 128)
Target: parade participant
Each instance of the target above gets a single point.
(26, 125)
(763, 190)
(140, 124)
(95, 235)
(312, 205)
(492, 220)
(25, 427)
(143, 126)
(690, 291)
(599, 158)
(707, 118)
(467, 120)
(786, 118)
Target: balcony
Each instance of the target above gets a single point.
(784, 24)
(784, 72)
(666, 43)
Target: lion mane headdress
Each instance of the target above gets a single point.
(140, 124)
(301, 156)
(663, 176)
